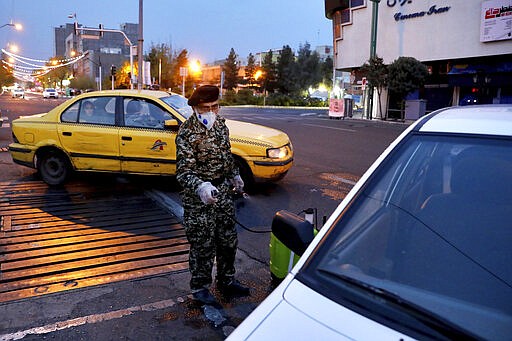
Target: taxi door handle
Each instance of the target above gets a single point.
(66, 133)
(126, 138)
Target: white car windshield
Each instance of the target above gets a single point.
(432, 226)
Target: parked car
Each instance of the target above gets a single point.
(50, 93)
(18, 92)
(419, 249)
(133, 132)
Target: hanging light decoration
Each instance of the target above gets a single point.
(32, 68)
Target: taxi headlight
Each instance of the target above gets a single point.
(277, 153)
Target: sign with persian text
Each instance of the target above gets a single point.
(496, 20)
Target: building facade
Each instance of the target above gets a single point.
(102, 50)
(466, 45)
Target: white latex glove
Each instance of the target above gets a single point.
(238, 183)
(207, 193)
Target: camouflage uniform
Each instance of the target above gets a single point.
(205, 155)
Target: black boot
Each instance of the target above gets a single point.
(204, 296)
(233, 289)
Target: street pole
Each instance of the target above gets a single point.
(222, 76)
(140, 48)
(373, 51)
(131, 67)
(99, 71)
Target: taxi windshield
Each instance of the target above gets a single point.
(179, 103)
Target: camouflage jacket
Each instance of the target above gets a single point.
(203, 155)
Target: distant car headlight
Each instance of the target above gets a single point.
(277, 153)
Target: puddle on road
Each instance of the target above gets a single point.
(214, 315)
(337, 185)
(223, 319)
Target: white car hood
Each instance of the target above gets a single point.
(295, 312)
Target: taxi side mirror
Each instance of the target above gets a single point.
(171, 124)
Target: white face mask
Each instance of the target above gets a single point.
(207, 119)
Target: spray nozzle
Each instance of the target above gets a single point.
(239, 194)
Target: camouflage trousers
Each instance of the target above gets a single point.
(211, 233)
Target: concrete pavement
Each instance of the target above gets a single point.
(150, 308)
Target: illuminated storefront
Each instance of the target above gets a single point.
(466, 45)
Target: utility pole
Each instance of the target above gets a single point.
(99, 73)
(160, 72)
(373, 51)
(140, 49)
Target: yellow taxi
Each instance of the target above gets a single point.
(133, 132)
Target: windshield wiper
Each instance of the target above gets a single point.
(417, 312)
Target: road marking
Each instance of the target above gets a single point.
(90, 319)
(320, 126)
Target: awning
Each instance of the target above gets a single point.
(468, 69)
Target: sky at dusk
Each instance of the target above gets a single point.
(208, 29)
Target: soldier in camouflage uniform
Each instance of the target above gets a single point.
(207, 173)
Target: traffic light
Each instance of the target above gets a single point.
(76, 29)
(113, 70)
(101, 31)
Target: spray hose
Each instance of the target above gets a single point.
(244, 195)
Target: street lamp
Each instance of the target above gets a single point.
(17, 27)
(13, 48)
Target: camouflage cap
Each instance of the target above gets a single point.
(204, 94)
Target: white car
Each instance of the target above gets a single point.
(419, 249)
(18, 92)
(50, 93)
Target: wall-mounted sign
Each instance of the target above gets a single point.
(496, 20)
(399, 16)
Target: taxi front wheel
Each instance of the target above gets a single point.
(53, 168)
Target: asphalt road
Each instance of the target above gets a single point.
(330, 156)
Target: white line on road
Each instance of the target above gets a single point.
(95, 318)
(320, 126)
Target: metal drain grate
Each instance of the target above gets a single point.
(80, 235)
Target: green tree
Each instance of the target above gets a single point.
(6, 77)
(308, 68)
(286, 71)
(250, 69)
(160, 57)
(405, 75)
(179, 59)
(122, 80)
(376, 75)
(58, 73)
(230, 69)
(327, 68)
(82, 83)
(268, 80)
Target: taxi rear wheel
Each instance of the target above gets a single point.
(53, 168)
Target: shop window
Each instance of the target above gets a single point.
(337, 25)
(356, 3)
(345, 16)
